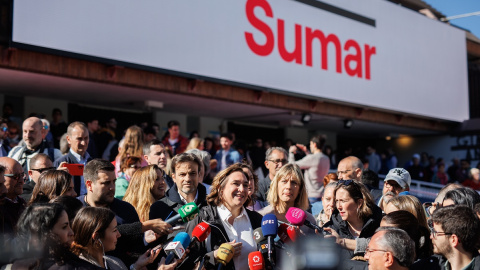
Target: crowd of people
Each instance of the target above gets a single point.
(117, 204)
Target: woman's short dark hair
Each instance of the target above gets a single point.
(51, 184)
(70, 204)
(89, 220)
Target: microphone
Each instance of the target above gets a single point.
(200, 233)
(186, 213)
(262, 246)
(255, 261)
(176, 247)
(283, 234)
(269, 229)
(224, 255)
(298, 217)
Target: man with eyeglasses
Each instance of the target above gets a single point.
(78, 139)
(455, 231)
(34, 144)
(275, 158)
(350, 167)
(397, 180)
(390, 249)
(316, 166)
(13, 203)
(38, 164)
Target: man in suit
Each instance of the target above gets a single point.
(77, 138)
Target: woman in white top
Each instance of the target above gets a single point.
(229, 220)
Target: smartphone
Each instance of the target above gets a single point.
(74, 169)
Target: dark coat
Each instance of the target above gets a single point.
(168, 206)
(369, 225)
(437, 262)
(218, 236)
(70, 159)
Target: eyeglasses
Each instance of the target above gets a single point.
(16, 176)
(435, 233)
(43, 169)
(343, 172)
(369, 250)
(4, 129)
(345, 182)
(276, 161)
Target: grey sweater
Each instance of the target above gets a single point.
(316, 166)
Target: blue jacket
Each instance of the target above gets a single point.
(232, 157)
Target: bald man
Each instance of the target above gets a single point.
(350, 168)
(34, 144)
(13, 205)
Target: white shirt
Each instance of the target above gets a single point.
(81, 160)
(240, 231)
(185, 201)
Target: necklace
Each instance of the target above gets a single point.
(353, 231)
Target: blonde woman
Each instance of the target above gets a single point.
(408, 203)
(132, 146)
(287, 189)
(146, 187)
(196, 143)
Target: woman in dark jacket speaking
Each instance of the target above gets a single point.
(355, 218)
(229, 220)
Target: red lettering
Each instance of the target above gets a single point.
(310, 35)
(356, 59)
(267, 48)
(369, 51)
(297, 53)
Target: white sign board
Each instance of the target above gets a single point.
(371, 52)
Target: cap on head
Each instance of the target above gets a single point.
(399, 175)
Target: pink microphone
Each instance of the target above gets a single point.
(296, 216)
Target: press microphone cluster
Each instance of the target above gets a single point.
(186, 213)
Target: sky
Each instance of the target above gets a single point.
(458, 7)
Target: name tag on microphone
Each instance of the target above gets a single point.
(176, 247)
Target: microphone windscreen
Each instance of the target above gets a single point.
(269, 225)
(283, 234)
(183, 238)
(201, 231)
(292, 233)
(296, 216)
(255, 261)
(225, 253)
(188, 212)
(258, 235)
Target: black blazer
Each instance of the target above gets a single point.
(70, 159)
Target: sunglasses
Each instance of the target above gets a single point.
(4, 129)
(44, 169)
(16, 176)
